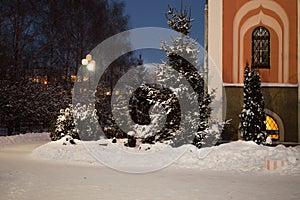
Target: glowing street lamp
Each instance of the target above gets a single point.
(88, 57)
(89, 64)
(84, 62)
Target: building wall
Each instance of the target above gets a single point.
(286, 97)
(298, 71)
(240, 17)
(215, 56)
(230, 26)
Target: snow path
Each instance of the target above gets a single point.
(22, 178)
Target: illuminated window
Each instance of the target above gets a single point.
(261, 47)
(272, 128)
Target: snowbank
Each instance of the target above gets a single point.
(242, 156)
(27, 138)
(237, 156)
(64, 151)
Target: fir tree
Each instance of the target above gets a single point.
(147, 96)
(185, 46)
(253, 127)
(158, 94)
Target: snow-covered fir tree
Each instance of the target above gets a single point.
(152, 96)
(187, 83)
(187, 47)
(253, 117)
(65, 125)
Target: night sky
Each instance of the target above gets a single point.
(150, 13)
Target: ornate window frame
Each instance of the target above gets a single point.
(261, 47)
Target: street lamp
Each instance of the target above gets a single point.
(89, 64)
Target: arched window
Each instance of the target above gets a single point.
(272, 128)
(261, 47)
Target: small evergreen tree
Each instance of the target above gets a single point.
(253, 117)
(65, 125)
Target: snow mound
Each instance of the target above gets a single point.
(238, 156)
(27, 138)
(241, 156)
(63, 150)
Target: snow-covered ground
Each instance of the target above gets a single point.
(239, 156)
(28, 138)
(230, 171)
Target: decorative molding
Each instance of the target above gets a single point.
(245, 9)
(271, 22)
(279, 85)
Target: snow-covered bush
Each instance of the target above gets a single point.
(147, 99)
(65, 125)
(210, 135)
(80, 122)
(28, 104)
(86, 119)
(67, 140)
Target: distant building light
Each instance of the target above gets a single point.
(73, 78)
(35, 79)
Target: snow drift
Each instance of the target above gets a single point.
(237, 156)
(27, 138)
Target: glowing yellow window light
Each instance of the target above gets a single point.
(271, 124)
(272, 128)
